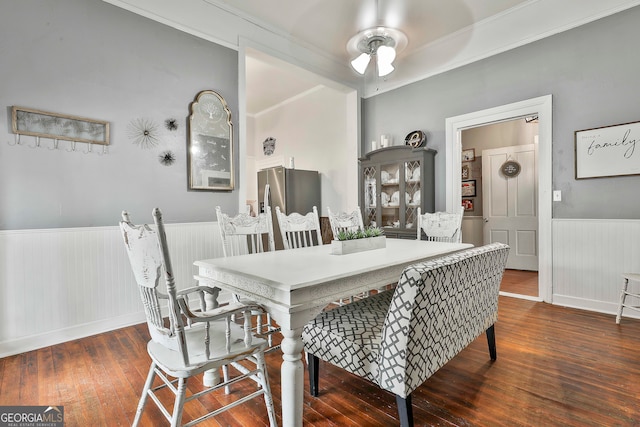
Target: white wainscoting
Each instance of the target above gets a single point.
(61, 284)
(588, 257)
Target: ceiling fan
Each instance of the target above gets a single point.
(380, 42)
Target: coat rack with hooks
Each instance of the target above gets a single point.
(55, 145)
(55, 127)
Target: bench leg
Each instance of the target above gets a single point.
(491, 340)
(405, 411)
(313, 364)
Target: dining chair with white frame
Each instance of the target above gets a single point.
(299, 231)
(628, 293)
(345, 221)
(195, 340)
(245, 234)
(440, 226)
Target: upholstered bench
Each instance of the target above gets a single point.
(398, 338)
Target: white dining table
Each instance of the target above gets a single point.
(295, 285)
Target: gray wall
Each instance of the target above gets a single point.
(90, 59)
(592, 73)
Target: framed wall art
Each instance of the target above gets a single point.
(466, 172)
(608, 151)
(469, 188)
(210, 144)
(467, 205)
(43, 124)
(469, 155)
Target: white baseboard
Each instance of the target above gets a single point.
(34, 342)
(520, 296)
(592, 305)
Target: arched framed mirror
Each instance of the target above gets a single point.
(210, 145)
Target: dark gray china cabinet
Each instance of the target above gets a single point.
(394, 182)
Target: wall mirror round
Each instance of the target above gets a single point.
(210, 145)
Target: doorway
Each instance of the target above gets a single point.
(542, 108)
(502, 206)
(282, 100)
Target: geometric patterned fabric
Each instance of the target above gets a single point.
(349, 336)
(398, 338)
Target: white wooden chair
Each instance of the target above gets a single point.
(299, 231)
(633, 277)
(341, 222)
(345, 221)
(440, 226)
(195, 340)
(245, 234)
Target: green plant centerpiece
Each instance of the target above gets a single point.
(360, 234)
(347, 242)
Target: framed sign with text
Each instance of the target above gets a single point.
(608, 151)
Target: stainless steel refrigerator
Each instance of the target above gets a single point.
(293, 190)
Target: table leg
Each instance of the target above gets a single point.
(292, 377)
(211, 377)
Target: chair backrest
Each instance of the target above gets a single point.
(299, 231)
(149, 257)
(437, 309)
(345, 221)
(440, 226)
(245, 234)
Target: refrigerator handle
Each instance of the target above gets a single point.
(265, 201)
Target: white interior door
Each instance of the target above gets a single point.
(510, 204)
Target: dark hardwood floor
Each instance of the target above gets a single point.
(556, 367)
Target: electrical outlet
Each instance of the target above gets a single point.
(557, 196)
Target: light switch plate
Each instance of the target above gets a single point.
(557, 196)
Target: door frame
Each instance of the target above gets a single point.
(542, 107)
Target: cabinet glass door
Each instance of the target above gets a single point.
(413, 192)
(370, 196)
(390, 182)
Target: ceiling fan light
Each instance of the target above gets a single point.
(360, 63)
(386, 54)
(381, 42)
(384, 69)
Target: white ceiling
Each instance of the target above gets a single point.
(313, 34)
(329, 24)
(270, 81)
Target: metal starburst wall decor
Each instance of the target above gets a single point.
(167, 158)
(143, 132)
(171, 124)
